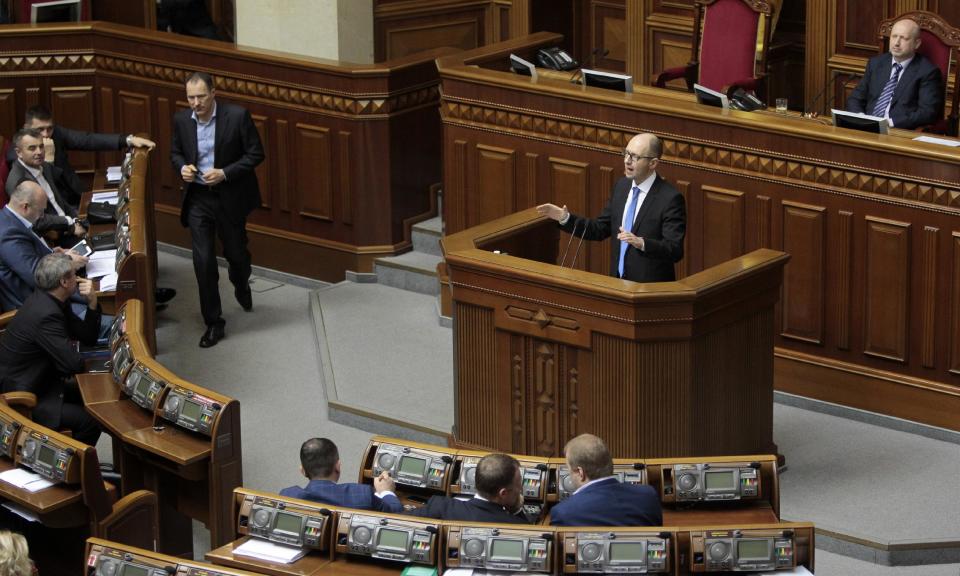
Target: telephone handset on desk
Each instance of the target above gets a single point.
(743, 100)
(556, 58)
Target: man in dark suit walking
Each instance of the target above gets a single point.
(36, 352)
(216, 149)
(320, 463)
(60, 215)
(647, 215)
(901, 86)
(499, 496)
(601, 499)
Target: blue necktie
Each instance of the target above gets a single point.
(887, 95)
(628, 216)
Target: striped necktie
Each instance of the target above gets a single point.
(887, 95)
(628, 216)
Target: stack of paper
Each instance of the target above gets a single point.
(114, 173)
(102, 263)
(110, 197)
(25, 480)
(108, 283)
(269, 551)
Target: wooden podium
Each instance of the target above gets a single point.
(543, 353)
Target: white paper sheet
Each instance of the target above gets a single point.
(940, 141)
(25, 480)
(269, 551)
(101, 267)
(21, 512)
(110, 197)
(109, 282)
(114, 173)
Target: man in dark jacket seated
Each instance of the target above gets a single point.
(499, 496)
(320, 463)
(601, 499)
(37, 353)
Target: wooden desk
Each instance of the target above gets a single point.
(870, 311)
(310, 565)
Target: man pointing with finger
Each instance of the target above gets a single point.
(646, 214)
(216, 149)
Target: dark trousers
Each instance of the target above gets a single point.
(207, 220)
(74, 417)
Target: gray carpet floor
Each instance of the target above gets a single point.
(843, 475)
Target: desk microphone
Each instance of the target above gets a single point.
(577, 253)
(813, 111)
(572, 234)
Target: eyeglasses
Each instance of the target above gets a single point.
(634, 158)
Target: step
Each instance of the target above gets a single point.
(426, 236)
(414, 271)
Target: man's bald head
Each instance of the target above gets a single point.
(904, 39)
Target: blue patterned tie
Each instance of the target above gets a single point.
(881, 108)
(628, 216)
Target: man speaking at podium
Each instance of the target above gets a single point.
(647, 214)
(902, 85)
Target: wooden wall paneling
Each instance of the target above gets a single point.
(163, 170)
(611, 412)
(928, 294)
(400, 31)
(73, 106)
(762, 209)
(954, 366)
(609, 32)
(31, 98)
(457, 186)
(313, 173)
(346, 182)
(818, 45)
(134, 116)
(682, 268)
(280, 186)
(668, 50)
(804, 238)
(263, 170)
(844, 253)
(569, 183)
(858, 22)
(496, 184)
(542, 405)
(520, 430)
(575, 384)
(948, 9)
(527, 195)
(477, 394)
(8, 113)
(723, 230)
(887, 286)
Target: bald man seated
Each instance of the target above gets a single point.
(600, 498)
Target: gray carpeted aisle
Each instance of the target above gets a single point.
(842, 474)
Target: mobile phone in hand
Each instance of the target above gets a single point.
(82, 248)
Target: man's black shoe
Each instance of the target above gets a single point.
(245, 298)
(164, 295)
(214, 334)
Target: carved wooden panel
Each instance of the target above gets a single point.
(163, 138)
(479, 405)
(804, 238)
(610, 33)
(134, 113)
(281, 189)
(762, 208)
(528, 184)
(73, 106)
(402, 30)
(8, 112)
(346, 184)
(723, 222)
(887, 285)
(263, 170)
(669, 50)
(928, 295)
(570, 181)
(314, 172)
(844, 253)
(858, 23)
(496, 184)
(519, 429)
(955, 306)
(542, 405)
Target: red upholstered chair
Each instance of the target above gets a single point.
(939, 43)
(730, 39)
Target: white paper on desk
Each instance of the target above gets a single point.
(269, 551)
(114, 173)
(21, 512)
(798, 571)
(940, 141)
(110, 197)
(101, 267)
(459, 572)
(25, 480)
(109, 282)
(103, 255)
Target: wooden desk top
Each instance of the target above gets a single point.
(306, 566)
(694, 516)
(178, 446)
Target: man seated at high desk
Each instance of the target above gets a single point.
(601, 499)
(902, 85)
(320, 463)
(499, 496)
(37, 353)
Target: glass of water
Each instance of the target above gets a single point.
(781, 105)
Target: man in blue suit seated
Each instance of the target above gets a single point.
(601, 499)
(499, 496)
(320, 463)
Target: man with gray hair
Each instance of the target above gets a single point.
(37, 353)
(601, 499)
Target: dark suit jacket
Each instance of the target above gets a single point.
(236, 150)
(36, 353)
(917, 100)
(473, 510)
(609, 503)
(50, 219)
(20, 250)
(349, 494)
(65, 140)
(661, 222)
